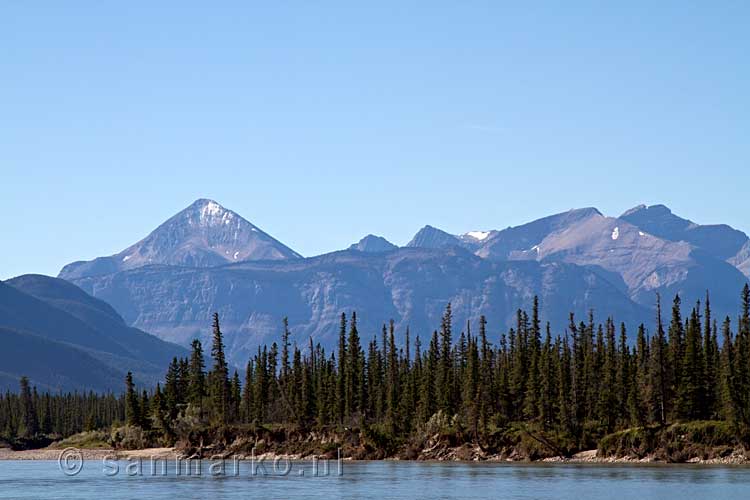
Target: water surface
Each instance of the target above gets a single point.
(406, 480)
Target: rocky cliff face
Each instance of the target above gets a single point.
(411, 286)
(742, 259)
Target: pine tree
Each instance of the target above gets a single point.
(158, 415)
(427, 402)
(547, 371)
(531, 396)
(608, 392)
(623, 377)
(196, 377)
(341, 396)
(144, 405)
(565, 388)
(260, 391)
(30, 423)
(445, 372)
(354, 378)
(132, 407)
(247, 394)
(728, 385)
(392, 417)
(487, 382)
(471, 393)
(235, 396)
(709, 352)
(219, 376)
(674, 365)
(658, 369)
(284, 376)
(171, 384)
(691, 401)
(742, 359)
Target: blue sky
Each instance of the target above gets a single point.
(323, 121)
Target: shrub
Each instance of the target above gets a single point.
(128, 438)
(88, 440)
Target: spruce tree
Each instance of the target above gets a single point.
(219, 376)
(196, 377)
(690, 399)
(247, 394)
(710, 365)
(171, 390)
(30, 423)
(658, 370)
(445, 372)
(132, 407)
(730, 407)
(341, 396)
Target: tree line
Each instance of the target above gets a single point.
(29, 414)
(583, 383)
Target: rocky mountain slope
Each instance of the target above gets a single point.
(642, 262)
(501, 244)
(742, 260)
(374, 244)
(717, 240)
(432, 237)
(647, 250)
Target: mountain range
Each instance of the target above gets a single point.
(64, 339)
(207, 258)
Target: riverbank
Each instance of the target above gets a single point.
(698, 442)
(584, 457)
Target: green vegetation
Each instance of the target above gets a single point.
(674, 443)
(542, 393)
(87, 440)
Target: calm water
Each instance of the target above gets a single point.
(44, 480)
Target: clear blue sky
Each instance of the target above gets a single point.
(323, 121)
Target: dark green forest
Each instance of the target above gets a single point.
(578, 383)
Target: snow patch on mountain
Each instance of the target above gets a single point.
(478, 235)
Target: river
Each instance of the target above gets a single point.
(98, 480)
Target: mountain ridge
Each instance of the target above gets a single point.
(62, 325)
(575, 260)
